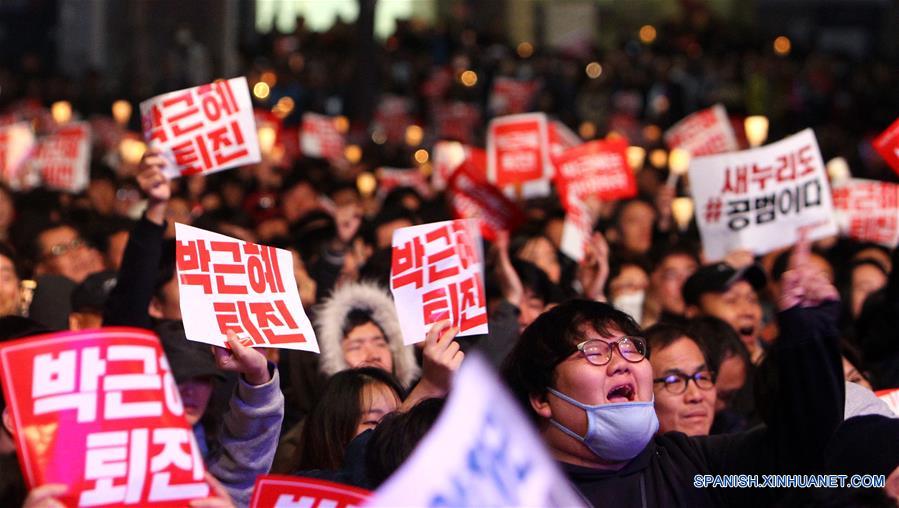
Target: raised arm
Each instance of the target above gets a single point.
(127, 304)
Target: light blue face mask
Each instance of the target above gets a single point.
(615, 431)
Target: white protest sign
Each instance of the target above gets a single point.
(576, 229)
(481, 451)
(705, 132)
(16, 144)
(203, 129)
(228, 284)
(757, 199)
(61, 161)
(436, 273)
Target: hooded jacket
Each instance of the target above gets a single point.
(331, 316)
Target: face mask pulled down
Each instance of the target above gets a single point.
(615, 431)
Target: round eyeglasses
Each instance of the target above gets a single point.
(599, 352)
(676, 383)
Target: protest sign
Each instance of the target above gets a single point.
(319, 137)
(99, 411)
(392, 117)
(228, 284)
(887, 145)
(867, 210)
(472, 197)
(704, 132)
(511, 96)
(756, 199)
(61, 161)
(394, 178)
(576, 229)
(481, 451)
(517, 149)
(595, 169)
(436, 273)
(560, 139)
(457, 120)
(203, 129)
(447, 156)
(16, 144)
(275, 491)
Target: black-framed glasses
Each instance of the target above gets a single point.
(61, 249)
(676, 383)
(599, 352)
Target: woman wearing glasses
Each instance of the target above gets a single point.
(582, 372)
(682, 381)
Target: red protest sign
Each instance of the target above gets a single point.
(457, 120)
(472, 197)
(517, 149)
(319, 137)
(561, 138)
(203, 129)
(891, 397)
(438, 269)
(62, 160)
(275, 491)
(868, 210)
(393, 178)
(99, 411)
(705, 132)
(887, 145)
(595, 169)
(228, 284)
(510, 96)
(393, 116)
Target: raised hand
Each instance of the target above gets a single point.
(242, 360)
(509, 282)
(593, 271)
(154, 184)
(45, 496)
(801, 284)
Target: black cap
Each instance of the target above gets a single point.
(51, 303)
(718, 278)
(91, 295)
(187, 359)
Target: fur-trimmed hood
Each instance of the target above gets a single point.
(331, 315)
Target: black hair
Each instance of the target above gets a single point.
(536, 281)
(396, 437)
(9, 253)
(615, 218)
(530, 367)
(782, 262)
(333, 421)
(617, 265)
(661, 335)
(357, 317)
(664, 251)
(718, 339)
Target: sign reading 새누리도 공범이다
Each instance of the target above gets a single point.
(99, 411)
(759, 199)
(203, 129)
(481, 451)
(437, 273)
(229, 284)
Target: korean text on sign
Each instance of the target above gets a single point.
(868, 210)
(481, 451)
(228, 284)
(320, 137)
(437, 272)
(595, 169)
(887, 145)
(756, 199)
(274, 491)
(61, 160)
(99, 411)
(203, 129)
(705, 132)
(471, 197)
(517, 149)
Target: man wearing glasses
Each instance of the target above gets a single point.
(61, 251)
(683, 382)
(581, 370)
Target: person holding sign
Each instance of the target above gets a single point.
(582, 372)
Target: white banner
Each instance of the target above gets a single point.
(757, 199)
(705, 132)
(481, 451)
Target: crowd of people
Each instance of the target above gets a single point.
(641, 366)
